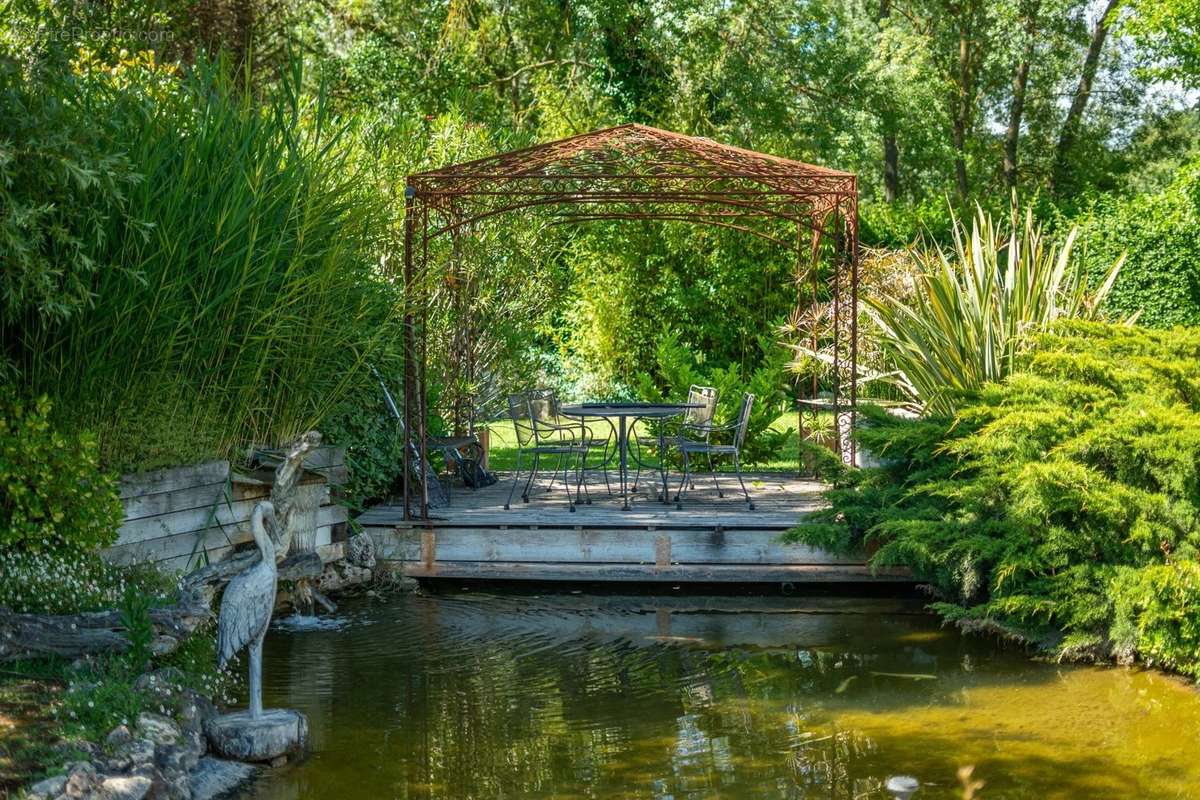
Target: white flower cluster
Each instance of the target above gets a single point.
(60, 583)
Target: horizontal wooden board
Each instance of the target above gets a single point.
(586, 516)
(181, 522)
(159, 503)
(215, 540)
(173, 478)
(690, 573)
(194, 519)
(183, 563)
(605, 546)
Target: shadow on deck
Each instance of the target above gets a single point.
(711, 540)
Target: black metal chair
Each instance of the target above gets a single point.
(696, 423)
(455, 450)
(582, 431)
(537, 436)
(689, 448)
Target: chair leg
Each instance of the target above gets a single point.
(537, 457)
(582, 480)
(682, 482)
(713, 471)
(737, 467)
(516, 477)
(604, 468)
(581, 490)
(566, 484)
(612, 429)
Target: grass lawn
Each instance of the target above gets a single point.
(502, 448)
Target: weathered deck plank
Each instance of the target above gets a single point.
(712, 539)
(634, 573)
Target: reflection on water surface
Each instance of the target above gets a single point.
(474, 695)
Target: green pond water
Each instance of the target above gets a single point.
(476, 695)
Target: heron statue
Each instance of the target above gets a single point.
(247, 605)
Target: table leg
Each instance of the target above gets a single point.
(623, 445)
(662, 462)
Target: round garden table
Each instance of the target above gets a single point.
(623, 413)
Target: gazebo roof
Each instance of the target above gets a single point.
(634, 152)
(636, 172)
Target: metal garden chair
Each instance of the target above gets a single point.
(695, 424)
(452, 449)
(708, 448)
(538, 435)
(550, 419)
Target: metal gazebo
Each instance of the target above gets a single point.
(635, 172)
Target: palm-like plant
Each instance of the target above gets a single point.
(971, 306)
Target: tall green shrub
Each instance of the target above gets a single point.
(677, 368)
(53, 494)
(1161, 234)
(61, 186)
(1063, 503)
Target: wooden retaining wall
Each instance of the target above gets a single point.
(177, 517)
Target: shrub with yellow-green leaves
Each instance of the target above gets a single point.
(1062, 503)
(54, 494)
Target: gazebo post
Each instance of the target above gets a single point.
(852, 219)
(422, 398)
(839, 250)
(405, 347)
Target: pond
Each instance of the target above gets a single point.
(479, 695)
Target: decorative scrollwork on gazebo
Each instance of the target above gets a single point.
(635, 172)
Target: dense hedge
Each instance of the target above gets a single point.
(1161, 234)
(1062, 505)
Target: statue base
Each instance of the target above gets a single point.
(278, 732)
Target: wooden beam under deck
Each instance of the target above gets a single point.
(711, 540)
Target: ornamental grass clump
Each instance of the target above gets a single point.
(250, 293)
(1060, 505)
(969, 308)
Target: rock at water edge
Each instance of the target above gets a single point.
(126, 787)
(215, 777)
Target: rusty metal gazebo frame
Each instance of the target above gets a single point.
(633, 172)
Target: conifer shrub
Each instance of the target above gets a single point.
(1060, 505)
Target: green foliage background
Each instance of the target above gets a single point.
(1160, 231)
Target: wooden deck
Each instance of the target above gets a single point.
(712, 540)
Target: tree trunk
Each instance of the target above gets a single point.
(963, 108)
(1059, 176)
(891, 151)
(891, 166)
(1016, 111)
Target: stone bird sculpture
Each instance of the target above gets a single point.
(247, 605)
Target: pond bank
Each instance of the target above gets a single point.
(161, 747)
